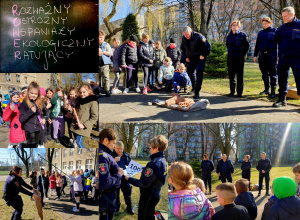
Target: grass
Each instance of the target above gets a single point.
(162, 205)
(29, 209)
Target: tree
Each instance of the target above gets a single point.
(50, 153)
(205, 16)
(275, 7)
(129, 27)
(23, 155)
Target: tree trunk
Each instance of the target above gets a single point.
(203, 25)
(50, 154)
(191, 14)
(23, 155)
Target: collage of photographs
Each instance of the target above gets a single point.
(150, 109)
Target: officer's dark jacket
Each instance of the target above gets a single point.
(153, 176)
(237, 44)
(129, 55)
(146, 53)
(194, 47)
(288, 37)
(264, 165)
(207, 166)
(246, 167)
(230, 168)
(40, 183)
(110, 179)
(232, 212)
(13, 185)
(174, 54)
(266, 41)
(286, 208)
(125, 155)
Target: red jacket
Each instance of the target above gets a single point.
(17, 132)
(52, 182)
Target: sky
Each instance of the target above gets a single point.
(8, 154)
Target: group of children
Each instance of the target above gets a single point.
(187, 200)
(161, 69)
(37, 116)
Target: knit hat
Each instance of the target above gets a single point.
(13, 92)
(133, 38)
(151, 42)
(86, 170)
(87, 174)
(172, 41)
(284, 187)
(53, 171)
(43, 92)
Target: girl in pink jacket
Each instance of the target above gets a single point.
(11, 113)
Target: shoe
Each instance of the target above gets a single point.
(258, 193)
(130, 211)
(265, 92)
(107, 94)
(209, 193)
(76, 210)
(118, 91)
(41, 146)
(148, 89)
(239, 96)
(138, 90)
(157, 87)
(114, 91)
(10, 146)
(56, 141)
(126, 90)
(231, 94)
(196, 97)
(145, 91)
(281, 102)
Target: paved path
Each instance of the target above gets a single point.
(133, 107)
(4, 137)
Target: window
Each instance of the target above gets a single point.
(65, 153)
(25, 79)
(88, 164)
(71, 151)
(79, 151)
(8, 76)
(64, 165)
(56, 154)
(71, 165)
(18, 78)
(78, 164)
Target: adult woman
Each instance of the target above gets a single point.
(13, 185)
(237, 46)
(266, 48)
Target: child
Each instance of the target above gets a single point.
(31, 115)
(48, 125)
(95, 185)
(245, 198)
(288, 206)
(12, 113)
(69, 105)
(72, 193)
(271, 201)
(57, 115)
(87, 186)
(52, 183)
(117, 65)
(160, 55)
(181, 79)
(186, 201)
(46, 115)
(59, 184)
(166, 73)
(226, 194)
(87, 112)
(77, 184)
(41, 185)
(47, 183)
(173, 52)
(33, 180)
(296, 171)
(23, 93)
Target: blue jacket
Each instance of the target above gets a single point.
(181, 77)
(13, 186)
(105, 58)
(266, 41)
(247, 200)
(153, 176)
(207, 166)
(288, 37)
(286, 208)
(229, 170)
(40, 183)
(246, 168)
(264, 165)
(237, 44)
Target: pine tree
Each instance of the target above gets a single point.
(129, 27)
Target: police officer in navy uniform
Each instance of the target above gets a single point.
(13, 185)
(266, 48)
(123, 159)
(207, 167)
(246, 168)
(288, 37)
(237, 46)
(153, 177)
(110, 175)
(225, 169)
(195, 49)
(264, 166)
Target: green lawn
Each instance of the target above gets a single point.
(162, 205)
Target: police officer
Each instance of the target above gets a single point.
(153, 177)
(266, 47)
(207, 167)
(225, 169)
(110, 175)
(288, 37)
(237, 46)
(246, 168)
(264, 166)
(13, 185)
(195, 49)
(123, 159)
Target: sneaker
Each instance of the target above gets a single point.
(126, 90)
(57, 141)
(145, 91)
(114, 91)
(118, 91)
(41, 146)
(10, 146)
(76, 210)
(148, 89)
(138, 90)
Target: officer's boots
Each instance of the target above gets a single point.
(258, 193)
(118, 210)
(265, 92)
(281, 101)
(267, 192)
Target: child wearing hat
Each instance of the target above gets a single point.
(174, 53)
(296, 171)
(11, 113)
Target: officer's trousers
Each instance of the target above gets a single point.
(206, 177)
(225, 177)
(284, 65)
(147, 207)
(196, 78)
(236, 69)
(107, 209)
(267, 180)
(246, 176)
(267, 65)
(126, 189)
(17, 204)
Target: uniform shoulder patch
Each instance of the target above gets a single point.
(203, 40)
(17, 183)
(148, 172)
(103, 168)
